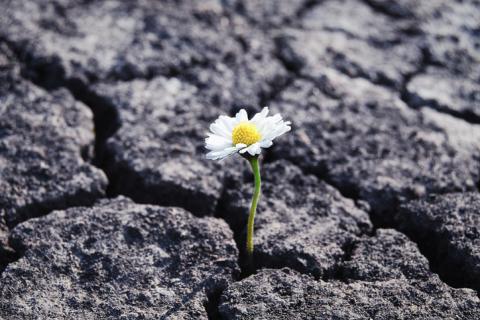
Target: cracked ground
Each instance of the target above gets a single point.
(370, 206)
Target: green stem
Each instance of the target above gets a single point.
(253, 209)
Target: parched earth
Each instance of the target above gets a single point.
(370, 206)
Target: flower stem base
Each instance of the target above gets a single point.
(254, 163)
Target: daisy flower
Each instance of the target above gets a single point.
(230, 135)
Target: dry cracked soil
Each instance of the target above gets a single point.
(370, 206)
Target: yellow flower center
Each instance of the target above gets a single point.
(246, 133)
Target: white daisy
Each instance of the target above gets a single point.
(238, 134)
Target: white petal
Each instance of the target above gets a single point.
(266, 123)
(240, 145)
(255, 149)
(252, 149)
(228, 122)
(259, 116)
(261, 125)
(215, 142)
(266, 143)
(241, 116)
(274, 129)
(215, 155)
(243, 150)
(219, 128)
(222, 154)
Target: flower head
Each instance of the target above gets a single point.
(230, 135)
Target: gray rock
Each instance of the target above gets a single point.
(270, 13)
(357, 20)
(7, 65)
(387, 255)
(448, 228)
(286, 294)
(451, 33)
(8, 62)
(412, 9)
(371, 146)
(244, 79)
(386, 278)
(46, 140)
(117, 260)
(301, 222)
(75, 43)
(7, 253)
(361, 41)
(158, 155)
(311, 51)
(99, 40)
(447, 92)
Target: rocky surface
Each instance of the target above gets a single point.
(45, 138)
(413, 10)
(46, 142)
(447, 92)
(81, 42)
(98, 41)
(158, 151)
(384, 102)
(369, 46)
(449, 37)
(448, 30)
(386, 255)
(448, 227)
(286, 294)
(270, 13)
(387, 279)
(310, 51)
(117, 259)
(451, 33)
(302, 223)
(369, 144)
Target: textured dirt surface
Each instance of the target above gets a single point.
(45, 147)
(451, 224)
(109, 209)
(386, 278)
(285, 294)
(302, 223)
(156, 152)
(366, 141)
(117, 259)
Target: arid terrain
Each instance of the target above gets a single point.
(370, 206)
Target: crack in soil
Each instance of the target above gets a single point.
(398, 13)
(307, 6)
(212, 304)
(428, 245)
